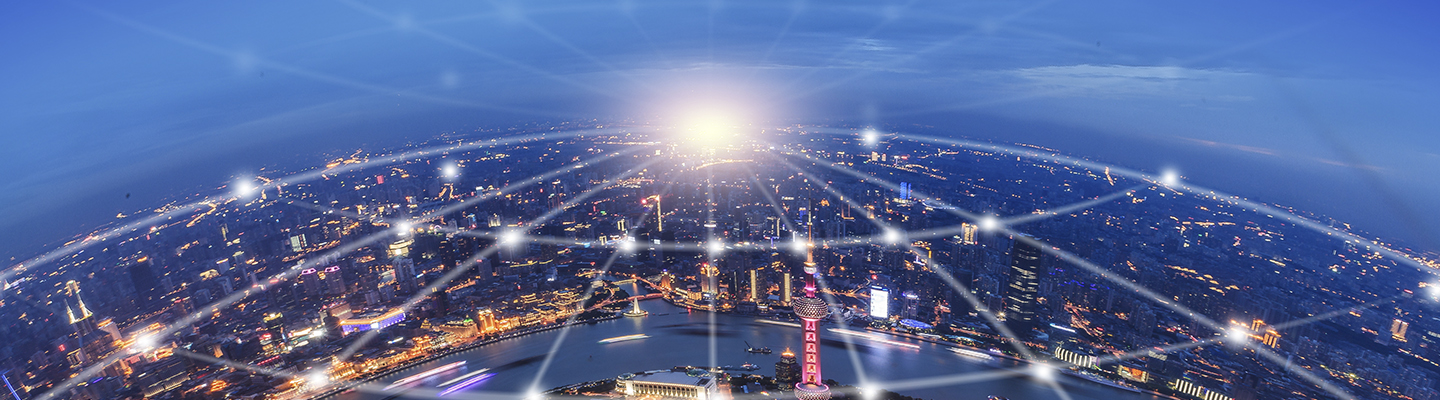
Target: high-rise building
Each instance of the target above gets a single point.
(879, 302)
(967, 234)
(785, 288)
(811, 310)
(147, 287)
(82, 319)
(787, 371)
(1020, 303)
(1398, 328)
(755, 285)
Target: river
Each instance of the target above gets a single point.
(679, 337)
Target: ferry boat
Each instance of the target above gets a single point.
(421, 376)
(625, 338)
(753, 350)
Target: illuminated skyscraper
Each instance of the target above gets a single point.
(754, 285)
(1024, 283)
(82, 319)
(811, 310)
(787, 372)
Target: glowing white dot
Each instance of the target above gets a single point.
(893, 236)
(627, 245)
(989, 223)
(317, 379)
(871, 137)
(244, 188)
(1433, 289)
(799, 246)
(715, 247)
(1237, 335)
(869, 392)
(450, 171)
(404, 228)
(1042, 372)
(145, 343)
(512, 237)
(1170, 177)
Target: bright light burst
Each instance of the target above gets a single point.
(1170, 177)
(715, 247)
(893, 236)
(799, 246)
(511, 238)
(1237, 336)
(450, 171)
(317, 379)
(245, 188)
(989, 223)
(145, 343)
(870, 137)
(1042, 371)
(627, 245)
(711, 128)
(404, 228)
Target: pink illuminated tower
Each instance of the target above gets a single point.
(811, 310)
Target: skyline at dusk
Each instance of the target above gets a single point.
(654, 199)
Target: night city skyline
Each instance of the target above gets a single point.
(674, 200)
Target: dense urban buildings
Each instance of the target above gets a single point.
(360, 281)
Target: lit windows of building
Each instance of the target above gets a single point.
(1398, 328)
(693, 384)
(372, 321)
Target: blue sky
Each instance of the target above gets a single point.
(1276, 102)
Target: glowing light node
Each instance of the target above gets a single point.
(512, 237)
(893, 236)
(145, 343)
(989, 223)
(870, 137)
(404, 228)
(450, 171)
(799, 246)
(245, 188)
(715, 247)
(1237, 335)
(627, 245)
(1042, 372)
(317, 379)
(1170, 177)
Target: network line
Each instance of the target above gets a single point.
(456, 271)
(1174, 306)
(286, 274)
(829, 298)
(995, 322)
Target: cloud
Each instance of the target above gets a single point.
(1134, 81)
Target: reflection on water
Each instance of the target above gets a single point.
(679, 337)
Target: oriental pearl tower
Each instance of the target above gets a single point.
(811, 310)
